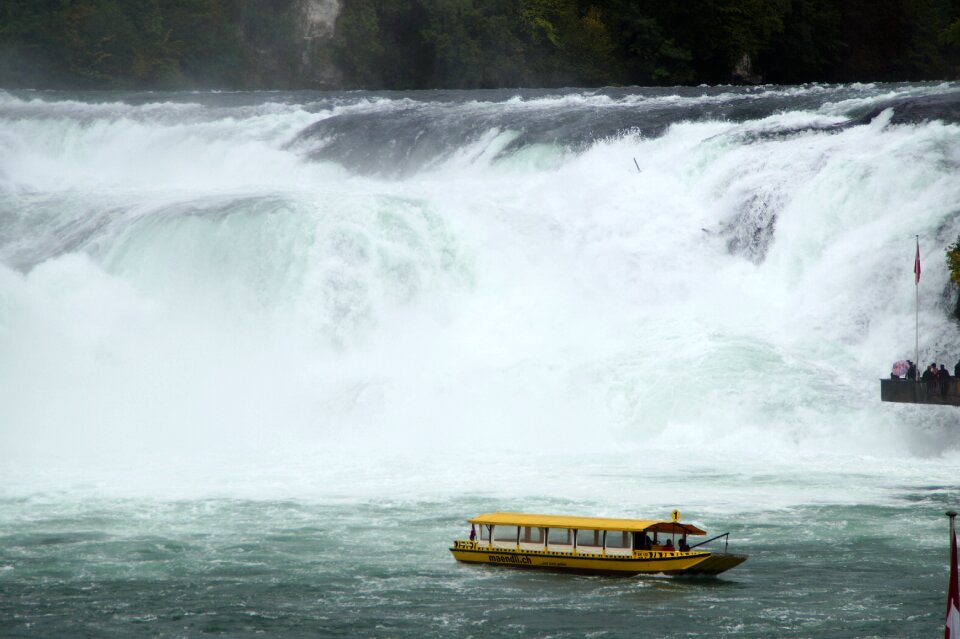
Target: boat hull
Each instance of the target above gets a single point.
(715, 564)
(642, 562)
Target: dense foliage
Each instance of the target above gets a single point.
(473, 43)
(953, 261)
(953, 265)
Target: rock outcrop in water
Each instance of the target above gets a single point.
(743, 71)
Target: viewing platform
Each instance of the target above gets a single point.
(905, 391)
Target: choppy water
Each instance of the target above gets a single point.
(261, 355)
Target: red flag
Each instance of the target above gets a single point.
(916, 263)
(951, 628)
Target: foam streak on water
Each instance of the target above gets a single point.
(244, 337)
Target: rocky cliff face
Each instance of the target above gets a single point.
(743, 72)
(295, 48)
(315, 31)
(319, 16)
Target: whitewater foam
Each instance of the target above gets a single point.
(182, 277)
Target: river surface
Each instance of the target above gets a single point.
(263, 354)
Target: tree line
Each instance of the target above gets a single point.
(426, 44)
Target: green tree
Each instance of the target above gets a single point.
(100, 43)
(714, 34)
(205, 39)
(380, 44)
(457, 34)
(567, 43)
(953, 265)
(30, 36)
(809, 47)
(953, 261)
(951, 35)
(592, 50)
(924, 55)
(153, 61)
(359, 49)
(646, 54)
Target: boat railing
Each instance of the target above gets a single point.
(463, 544)
(726, 543)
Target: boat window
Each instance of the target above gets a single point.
(484, 532)
(618, 539)
(560, 536)
(589, 538)
(531, 535)
(505, 533)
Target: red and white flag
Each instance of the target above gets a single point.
(916, 265)
(952, 625)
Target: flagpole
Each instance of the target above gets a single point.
(951, 628)
(916, 323)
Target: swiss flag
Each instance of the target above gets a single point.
(952, 625)
(916, 266)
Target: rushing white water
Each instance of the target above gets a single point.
(463, 278)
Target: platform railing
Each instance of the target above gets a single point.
(907, 391)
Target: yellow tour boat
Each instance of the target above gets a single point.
(590, 545)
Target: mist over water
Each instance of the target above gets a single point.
(419, 306)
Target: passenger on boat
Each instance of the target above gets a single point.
(669, 546)
(684, 546)
(473, 533)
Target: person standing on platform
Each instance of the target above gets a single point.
(944, 377)
(929, 379)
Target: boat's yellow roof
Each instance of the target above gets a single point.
(593, 523)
